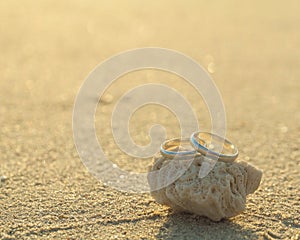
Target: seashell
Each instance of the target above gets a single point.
(220, 194)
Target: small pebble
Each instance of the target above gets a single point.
(211, 67)
(3, 178)
(284, 129)
(107, 98)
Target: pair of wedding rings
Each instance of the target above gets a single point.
(207, 144)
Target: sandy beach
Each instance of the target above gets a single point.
(251, 50)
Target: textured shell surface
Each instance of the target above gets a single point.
(220, 194)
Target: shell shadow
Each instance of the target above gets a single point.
(187, 226)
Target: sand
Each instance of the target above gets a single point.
(48, 47)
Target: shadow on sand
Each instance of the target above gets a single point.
(187, 226)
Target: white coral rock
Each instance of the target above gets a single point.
(221, 194)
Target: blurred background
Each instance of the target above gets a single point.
(47, 48)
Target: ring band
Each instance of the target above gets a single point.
(212, 145)
(177, 147)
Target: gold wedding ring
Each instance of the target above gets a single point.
(214, 146)
(177, 147)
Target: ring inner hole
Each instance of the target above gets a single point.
(214, 143)
(180, 147)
